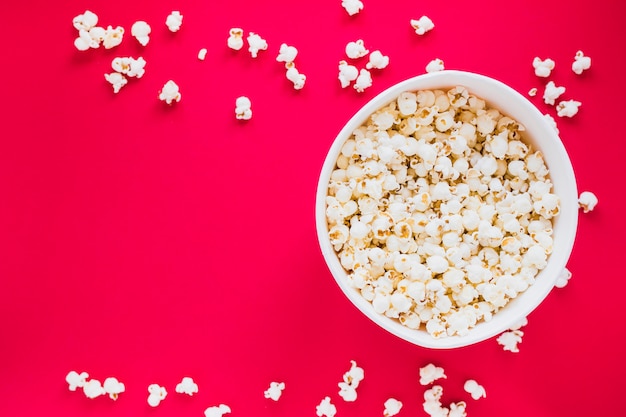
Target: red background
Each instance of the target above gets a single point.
(151, 242)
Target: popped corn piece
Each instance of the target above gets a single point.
(112, 37)
(347, 392)
(174, 21)
(354, 375)
(243, 110)
(509, 340)
(567, 108)
(435, 65)
(457, 409)
(431, 373)
(352, 6)
(129, 66)
(256, 44)
(377, 60)
(363, 81)
(581, 63)
(170, 93)
(202, 54)
(587, 201)
(217, 410)
(422, 25)
(76, 380)
(295, 76)
(356, 49)
(235, 38)
(532, 92)
(117, 80)
(392, 407)
(113, 387)
(543, 68)
(156, 394)
(275, 390)
(552, 92)
(287, 53)
(563, 278)
(84, 41)
(432, 402)
(85, 21)
(141, 31)
(187, 386)
(326, 408)
(347, 73)
(93, 388)
(473, 388)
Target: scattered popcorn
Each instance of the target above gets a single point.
(217, 411)
(187, 386)
(174, 21)
(567, 108)
(112, 37)
(377, 60)
(347, 73)
(275, 390)
(519, 324)
(287, 54)
(457, 409)
(352, 6)
(202, 54)
(76, 380)
(117, 80)
(435, 65)
(157, 394)
(356, 49)
(473, 388)
(129, 66)
(363, 81)
(170, 92)
(351, 380)
(510, 339)
(432, 402)
(543, 68)
(294, 76)
(587, 201)
(431, 373)
(85, 21)
(347, 392)
(532, 92)
(235, 39)
(113, 387)
(422, 25)
(326, 408)
(256, 44)
(85, 41)
(243, 110)
(581, 63)
(552, 92)
(392, 407)
(141, 31)
(563, 278)
(93, 388)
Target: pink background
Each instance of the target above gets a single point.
(151, 242)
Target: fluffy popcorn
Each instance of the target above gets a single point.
(392, 407)
(326, 408)
(256, 44)
(202, 54)
(117, 80)
(563, 278)
(93, 388)
(347, 392)
(217, 411)
(352, 6)
(356, 49)
(509, 340)
(457, 409)
(243, 108)
(141, 31)
(84, 41)
(85, 21)
(377, 60)
(552, 92)
(567, 108)
(543, 68)
(532, 92)
(113, 37)
(435, 65)
(354, 375)
(287, 54)
(129, 66)
(473, 388)
(156, 394)
(432, 402)
(235, 38)
(187, 386)
(170, 93)
(275, 390)
(347, 73)
(76, 380)
(295, 77)
(431, 373)
(581, 63)
(174, 21)
(422, 25)
(363, 81)
(587, 201)
(113, 387)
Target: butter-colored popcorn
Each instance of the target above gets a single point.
(255, 44)
(202, 54)
(156, 394)
(295, 76)
(392, 407)
(473, 388)
(352, 6)
(187, 386)
(581, 63)
(422, 25)
(275, 390)
(552, 92)
(430, 373)
(117, 80)
(510, 339)
(326, 408)
(141, 31)
(356, 49)
(174, 21)
(363, 81)
(435, 65)
(235, 39)
(377, 60)
(85, 21)
(170, 93)
(567, 108)
(243, 108)
(533, 92)
(217, 410)
(347, 73)
(93, 388)
(113, 387)
(287, 54)
(113, 37)
(543, 68)
(76, 380)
